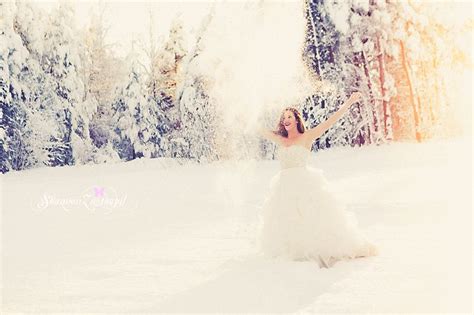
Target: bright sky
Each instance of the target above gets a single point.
(129, 20)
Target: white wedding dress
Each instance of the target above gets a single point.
(301, 219)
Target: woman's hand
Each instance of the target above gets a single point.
(316, 132)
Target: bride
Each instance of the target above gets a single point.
(302, 219)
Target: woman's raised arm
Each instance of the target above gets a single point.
(319, 130)
(269, 135)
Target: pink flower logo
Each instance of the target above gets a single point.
(99, 191)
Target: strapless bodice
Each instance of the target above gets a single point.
(293, 156)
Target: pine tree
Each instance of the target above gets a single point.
(198, 114)
(345, 46)
(164, 72)
(135, 120)
(322, 52)
(25, 132)
(102, 73)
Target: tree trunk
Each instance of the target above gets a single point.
(412, 94)
(314, 36)
(381, 62)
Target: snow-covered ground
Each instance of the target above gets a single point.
(181, 238)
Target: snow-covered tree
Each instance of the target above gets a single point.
(60, 61)
(136, 119)
(103, 73)
(6, 43)
(198, 114)
(101, 70)
(346, 44)
(199, 122)
(322, 54)
(25, 132)
(165, 72)
(363, 44)
(422, 50)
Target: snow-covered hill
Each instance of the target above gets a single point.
(156, 236)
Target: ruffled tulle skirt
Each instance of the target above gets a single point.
(302, 219)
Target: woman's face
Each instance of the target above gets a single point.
(289, 120)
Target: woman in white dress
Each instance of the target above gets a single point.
(302, 218)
